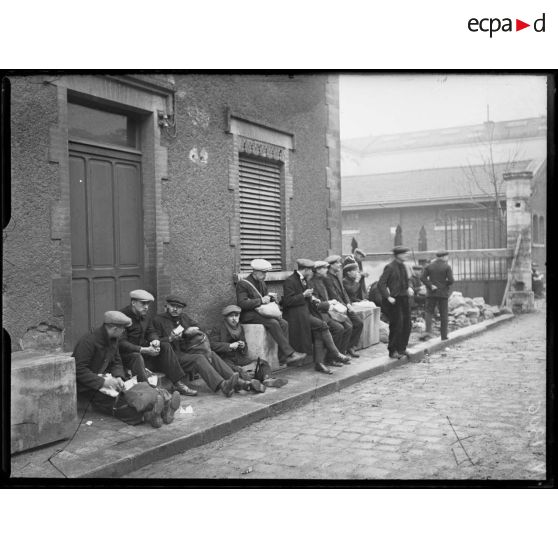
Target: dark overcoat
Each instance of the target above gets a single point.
(164, 323)
(95, 353)
(296, 312)
(335, 288)
(221, 340)
(353, 289)
(139, 334)
(437, 273)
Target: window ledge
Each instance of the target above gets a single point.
(271, 275)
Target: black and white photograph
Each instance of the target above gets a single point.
(269, 276)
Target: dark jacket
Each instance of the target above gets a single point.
(96, 353)
(247, 298)
(164, 323)
(221, 340)
(394, 278)
(297, 313)
(437, 273)
(335, 289)
(353, 289)
(139, 334)
(320, 290)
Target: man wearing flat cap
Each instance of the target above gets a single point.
(308, 330)
(336, 291)
(438, 278)
(351, 282)
(340, 334)
(251, 294)
(100, 376)
(229, 342)
(192, 347)
(395, 287)
(141, 348)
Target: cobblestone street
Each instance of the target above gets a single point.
(473, 411)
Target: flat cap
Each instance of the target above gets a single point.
(304, 263)
(176, 299)
(114, 317)
(320, 263)
(360, 252)
(400, 250)
(260, 264)
(140, 294)
(349, 259)
(441, 253)
(334, 258)
(230, 309)
(349, 267)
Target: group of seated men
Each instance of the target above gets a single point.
(130, 343)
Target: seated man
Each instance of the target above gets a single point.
(351, 282)
(303, 313)
(358, 257)
(193, 350)
(141, 347)
(99, 371)
(336, 291)
(340, 333)
(229, 342)
(251, 294)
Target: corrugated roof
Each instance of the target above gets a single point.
(428, 185)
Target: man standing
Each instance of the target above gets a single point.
(303, 313)
(141, 348)
(438, 277)
(395, 287)
(336, 291)
(100, 376)
(192, 347)
(252, 294)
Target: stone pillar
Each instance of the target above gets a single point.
(518, 199)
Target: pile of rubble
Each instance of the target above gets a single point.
(462, 312)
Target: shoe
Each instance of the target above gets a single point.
(295, 357)
(403, 353)
(153, 416)
(257, 386)
(241, 384)
(183, 389)
(321, 367)
(275, 382)
(343, 358)
(394, 354)
(353, 353)
(334, 363)
(227, 386)
(171, 406)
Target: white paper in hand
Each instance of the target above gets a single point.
(152, 380)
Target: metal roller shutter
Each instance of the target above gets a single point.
(260, 212)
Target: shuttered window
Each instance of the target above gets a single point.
(261, 208)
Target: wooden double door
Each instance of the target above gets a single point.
(107, 232)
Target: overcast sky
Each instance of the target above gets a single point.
(384, 104)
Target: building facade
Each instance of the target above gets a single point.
(162, 182)
(444, 189)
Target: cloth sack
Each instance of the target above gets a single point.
(269, 310)
(337, 311)
(199, 344)
(141, 397)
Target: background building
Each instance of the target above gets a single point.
(164, 182)
(444, 189)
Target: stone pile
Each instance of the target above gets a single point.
(465, 311)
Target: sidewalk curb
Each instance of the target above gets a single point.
(126, 465)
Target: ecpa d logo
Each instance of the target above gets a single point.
(492, 25)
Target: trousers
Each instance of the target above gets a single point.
(340, 332)
(442, 304)
(212, 369)
(278, 329)
(399, 317)
(323, 340)
(165, 362)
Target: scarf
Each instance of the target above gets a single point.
(234, 332)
